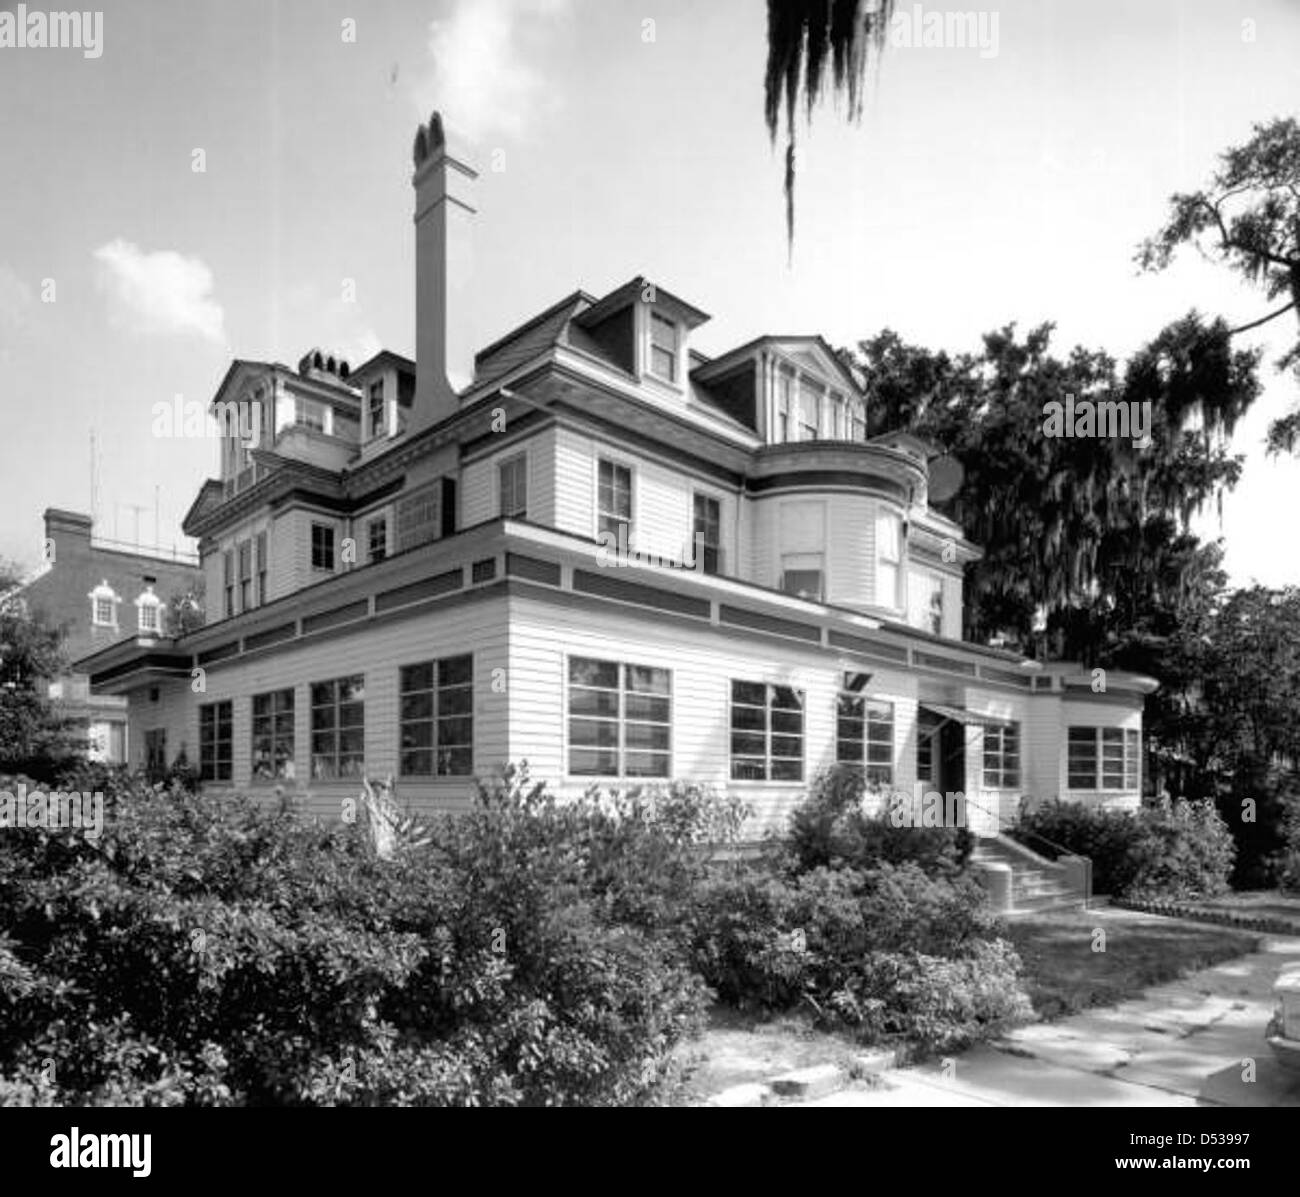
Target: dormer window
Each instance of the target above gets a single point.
(665, 339)
(103, 605)
(149, 612)
(375, 407)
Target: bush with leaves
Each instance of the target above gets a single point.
(210, 951)
(1163, 850)
(831, 827)
(868, 949)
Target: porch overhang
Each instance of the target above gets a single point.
(133, 662)
(964, 717)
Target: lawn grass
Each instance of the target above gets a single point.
(1064, 975)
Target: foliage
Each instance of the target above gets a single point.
(806, 39)
(35, 737)
(1248, 217)
(1090, 534)
(1167, 849)
(185, 609)
(887, 951)
(831, 828)
(287, 963)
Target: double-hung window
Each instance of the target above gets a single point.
(322, 547)
(614, 501)
(708, 534)
(664, 341)
(512, 486)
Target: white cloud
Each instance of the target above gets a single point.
(482, 76)
(159, 292)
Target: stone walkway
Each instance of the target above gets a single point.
(1191, 1042)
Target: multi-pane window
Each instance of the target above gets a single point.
(708, 534)
(375, 404)
(377, 539)
(245, 574)
(864, 735)
(150, 612)
(889, 537)
(766, 732)
(437, 718)
(1002, 756)
(322, 546)
(620, 719)
(663, 347)
(273, 735)
(104, 610)
(614, 501)
(228, 580)
(261, 567)
(1103, 758)
(512, 486)
(216, 741)
(338, 727)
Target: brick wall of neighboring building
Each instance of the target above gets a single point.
(60, 595)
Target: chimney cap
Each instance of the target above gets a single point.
(429, 139)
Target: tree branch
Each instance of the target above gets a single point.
(1232, 332)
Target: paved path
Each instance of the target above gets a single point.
(1186, 1043)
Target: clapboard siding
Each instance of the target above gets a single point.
(575, 483)
(377, 653)
(703, 664)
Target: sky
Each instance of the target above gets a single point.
(231, 178)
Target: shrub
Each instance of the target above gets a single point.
(208, 951)
(872, 950)
(1169, 849)
(831, 828)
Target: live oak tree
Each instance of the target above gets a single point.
(1083, 537)
(1248, 218)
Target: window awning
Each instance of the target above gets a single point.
(965, 717)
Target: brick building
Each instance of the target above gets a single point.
(98, 592)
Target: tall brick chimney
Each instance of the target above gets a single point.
(444, 267)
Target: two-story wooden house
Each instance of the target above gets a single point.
(588, 546)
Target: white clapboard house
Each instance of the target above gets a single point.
(590, 547)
